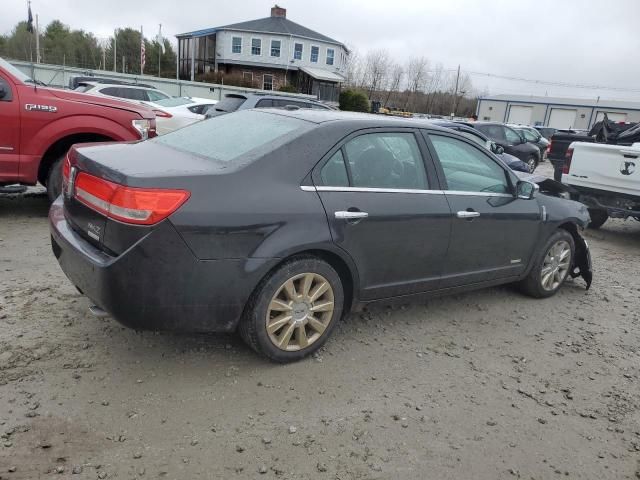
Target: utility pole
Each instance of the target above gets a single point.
(455, 95)
(37, 41)
(115, 38)
(160, 47)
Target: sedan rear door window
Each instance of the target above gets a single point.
(334, 172)
(468, 169)
(494, 132)
(513, 137)
(386, 160)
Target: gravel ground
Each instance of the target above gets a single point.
(484, 385)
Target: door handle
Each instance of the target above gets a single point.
(629, 153)
(467, 214)
(351, 215)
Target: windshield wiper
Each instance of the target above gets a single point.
(35, 82)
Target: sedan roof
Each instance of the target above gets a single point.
(365, 119)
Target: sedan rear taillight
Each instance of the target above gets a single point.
(567, 161)
(162, 114)
(139, 206)
(69, 158)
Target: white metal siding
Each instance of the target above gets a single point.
(562, 118)
(613, 116)
(520, 114)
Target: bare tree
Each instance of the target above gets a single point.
(376, 70)
(354, 69)
(396, 73)
(416, 77)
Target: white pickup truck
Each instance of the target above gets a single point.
(606, 178)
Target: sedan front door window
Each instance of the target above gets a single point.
(493, 232)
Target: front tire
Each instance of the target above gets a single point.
(598, 217)
(532, 162)
(54, 180)
(552, 266)
(294, 310)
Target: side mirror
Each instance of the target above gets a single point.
(526, 190)
(3, 91)
(497, 149)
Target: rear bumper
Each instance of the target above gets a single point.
(617, 205)
(157, 284)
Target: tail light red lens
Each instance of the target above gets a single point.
(567, 161)
(66, 169)
(162, 114)
(140, 206)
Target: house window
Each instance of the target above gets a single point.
(297, 51)
(247, 76)
(330, 54)
(267, 82)
(275, 48)
(236, 45)
(315, 52)
(256, 46)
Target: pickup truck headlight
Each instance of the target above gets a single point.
(142, 126)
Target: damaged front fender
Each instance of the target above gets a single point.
(582, 266)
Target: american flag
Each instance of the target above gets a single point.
(143, 56)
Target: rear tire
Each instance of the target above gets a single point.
(54, 180)
(552, 266)
(598, 217)
(293, 310)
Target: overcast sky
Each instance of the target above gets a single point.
(586, 42)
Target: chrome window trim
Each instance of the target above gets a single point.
(307, 188)
(370, 190)
(477, 194)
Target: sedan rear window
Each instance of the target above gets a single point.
(227, 137)
(230, 103)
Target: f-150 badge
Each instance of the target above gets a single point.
(32, 107)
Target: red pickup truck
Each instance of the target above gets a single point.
(38, 125)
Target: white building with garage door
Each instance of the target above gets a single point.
(554, 111)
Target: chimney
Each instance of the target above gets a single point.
(277, 11)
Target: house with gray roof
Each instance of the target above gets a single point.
(266, 53)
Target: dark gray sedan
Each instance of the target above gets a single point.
(275, 223)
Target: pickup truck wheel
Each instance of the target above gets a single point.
(552, 266)
(598, 217)
(54, 180)
(294, 310)
(532, 162)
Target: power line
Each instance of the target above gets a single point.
(538, 82)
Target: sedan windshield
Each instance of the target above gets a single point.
(15, 72)
(227, 137)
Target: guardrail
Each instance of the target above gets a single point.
(59, 76)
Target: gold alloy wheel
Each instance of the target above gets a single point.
(300, 311)
(556, 265)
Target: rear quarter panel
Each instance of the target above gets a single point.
(260, 211)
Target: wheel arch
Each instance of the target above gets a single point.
(572, 228)
(340, 262)
(61, 146)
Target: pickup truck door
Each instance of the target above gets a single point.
(9, 132)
